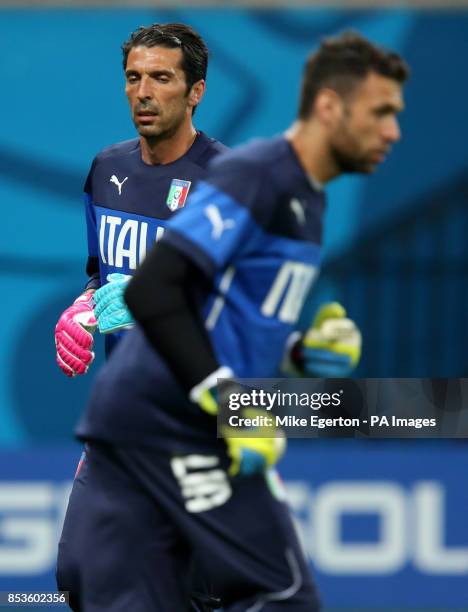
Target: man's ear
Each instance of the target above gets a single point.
(196, 93)
(328, 107)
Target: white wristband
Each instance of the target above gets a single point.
(210, 381)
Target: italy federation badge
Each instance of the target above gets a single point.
(178, 193)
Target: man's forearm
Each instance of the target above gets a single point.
(158, 298)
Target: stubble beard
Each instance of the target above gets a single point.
(156, 134)
(350, 164)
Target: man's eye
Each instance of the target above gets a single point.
(385, 111)
(162, 79)
(132, 79)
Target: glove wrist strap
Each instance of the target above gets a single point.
(293, 359)
(85, 298)
(209, 382)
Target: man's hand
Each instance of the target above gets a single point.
(110, 309)
(74, 336)
(252, 450)
(331, 348)
(251, 454)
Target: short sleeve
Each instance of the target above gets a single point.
(90, 213)
(221, 220)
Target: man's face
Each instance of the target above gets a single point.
(156, 90)
(368, 126)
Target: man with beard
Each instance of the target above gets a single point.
(219, 296)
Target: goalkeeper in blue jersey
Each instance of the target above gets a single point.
(131, 191)
(220, 295)
(134, 187)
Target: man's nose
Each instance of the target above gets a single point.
(391, 131)
(144, 91)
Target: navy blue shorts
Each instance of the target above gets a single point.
(144, 517)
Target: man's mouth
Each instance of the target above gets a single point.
(379, 155)
(145, 117)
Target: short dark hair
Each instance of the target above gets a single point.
(341, 62)
(172, 36)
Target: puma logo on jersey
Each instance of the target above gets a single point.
(297, 208)
(115, 180)
(219, 224)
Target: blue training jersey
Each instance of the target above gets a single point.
(254, 228)
(129, 202)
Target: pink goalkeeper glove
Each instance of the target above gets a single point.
(74, 336)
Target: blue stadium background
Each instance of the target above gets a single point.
(396, 257)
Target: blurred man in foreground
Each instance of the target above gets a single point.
(219, 296)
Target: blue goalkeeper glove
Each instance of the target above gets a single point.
(331, 348)
(253, 450)
(110, 309)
